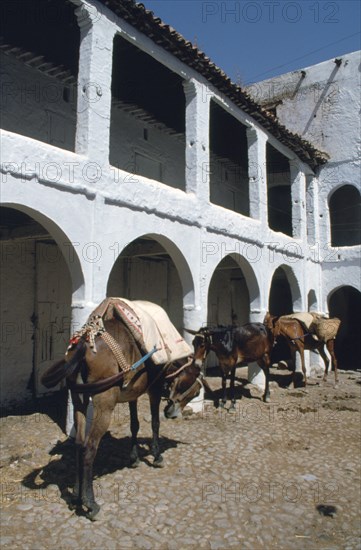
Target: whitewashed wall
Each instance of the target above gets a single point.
(322, 104)
(93, 211)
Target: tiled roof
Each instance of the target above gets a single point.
(169, 39)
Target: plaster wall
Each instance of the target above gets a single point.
(93, 210)
(34, 105)
(322, 104)
(130, 151)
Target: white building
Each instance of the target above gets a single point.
(322, 104)
(132, 166)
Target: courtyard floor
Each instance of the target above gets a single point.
(283, 475)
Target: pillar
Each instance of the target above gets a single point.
(94, 87)
(197, 139)
(257, 175)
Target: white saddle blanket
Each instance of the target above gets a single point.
(305, 318)
(157, 330)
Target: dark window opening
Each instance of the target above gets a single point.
(147, 95)
(345, 216)
(345, 303)
(279, 191)
(280, 303)
(39, 48)
(229, 184)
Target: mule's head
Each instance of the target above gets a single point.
(185, 385)
(272, 324)
(202, 343)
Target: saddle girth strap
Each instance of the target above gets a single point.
(117, 351)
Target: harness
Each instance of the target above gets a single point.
(107, 383)
(183, 395)
(293, 340)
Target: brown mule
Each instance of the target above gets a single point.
(300, 339)
(92, 375)
(233, 346)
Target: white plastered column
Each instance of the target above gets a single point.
(94, 87)
(197, 139)
(255, 373)
(193, 318)
(298, 194)
(80, 312)
(257, 141)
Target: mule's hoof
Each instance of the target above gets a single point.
(266, 398)
(222, 404)
(158, 462)
(92, 512)
(135, 463)
(232, 409)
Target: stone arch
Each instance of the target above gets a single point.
(312, 302)
(152, 267)
(233, 297)
(65, 245)
(344, 302)
(39, 259)
(345, 215)
(284, 293)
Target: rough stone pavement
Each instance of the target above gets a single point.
(284, 475)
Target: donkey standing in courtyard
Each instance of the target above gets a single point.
(320, 333)
(97, 366)
(234, 346)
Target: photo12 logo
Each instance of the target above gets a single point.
(271, 12)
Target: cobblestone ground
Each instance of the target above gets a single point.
(282, 475)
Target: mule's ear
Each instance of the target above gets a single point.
(193, 332)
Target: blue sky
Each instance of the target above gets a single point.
(255, 40)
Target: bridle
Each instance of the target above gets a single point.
(183, 395)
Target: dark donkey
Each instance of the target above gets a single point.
(323, 331)
(233, 346)
(98, 375)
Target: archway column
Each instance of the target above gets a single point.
(255, 373)
(94, 86)
(193, 318)
(257, 141)
(298, 193)
(197, 139)
(80, 312)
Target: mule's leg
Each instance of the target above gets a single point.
(321, 351)
(265, 364)
(104, 404)
(330, 344)
(298, 347)
(154, 398)
(134, 427)
(80, 409)
(223, 401)
(233, 399)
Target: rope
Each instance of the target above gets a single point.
(117, 351)
(92, 328)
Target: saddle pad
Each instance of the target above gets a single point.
(304, 317)
(158, 331)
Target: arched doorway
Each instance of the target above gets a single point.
(312, 301)
(36, 293)
(228, 295)
(152, 268)
(345, 216)
(345, 303)
(280, 302)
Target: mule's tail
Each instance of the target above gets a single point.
(63, 369)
